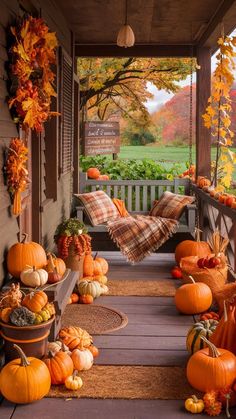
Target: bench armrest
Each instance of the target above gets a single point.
(80, 213)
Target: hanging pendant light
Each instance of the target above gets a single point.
(125, 36)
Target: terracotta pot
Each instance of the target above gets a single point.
(75, 262)
(32, 339)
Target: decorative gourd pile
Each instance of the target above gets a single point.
(217, 193)
(93, 284)
(28, 310)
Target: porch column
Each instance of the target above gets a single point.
(203, 91)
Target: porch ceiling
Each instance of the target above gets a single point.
(155, 22)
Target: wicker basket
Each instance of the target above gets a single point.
(215, 278)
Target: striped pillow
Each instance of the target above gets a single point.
(170, 205)
(98, 207)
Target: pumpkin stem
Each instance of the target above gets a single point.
(75, 373)
(63, 348)
(24, 237)
(24, 360)
(190, 277)
(197, 234)
(95, 256)
(50, 355)
(213, 351)
(195, 399)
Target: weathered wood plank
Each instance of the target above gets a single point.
(141, 357)
(120, 300)
(143, 319)
(109, 408)
(6, 409)
(151, 330)
(176, 343)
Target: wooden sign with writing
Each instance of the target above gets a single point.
(101, 138)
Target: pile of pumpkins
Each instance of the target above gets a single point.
(28, 262)
(72, 353)
(25, 310)
(217, 192)
(94, 173)
(94, 281)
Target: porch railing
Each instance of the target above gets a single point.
(214, 215)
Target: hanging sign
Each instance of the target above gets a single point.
(101, 137)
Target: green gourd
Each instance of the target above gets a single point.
(22, 316)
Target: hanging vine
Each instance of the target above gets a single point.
(32, 54)
(218, 112)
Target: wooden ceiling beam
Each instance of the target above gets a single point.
(216, 20)
(135, 51)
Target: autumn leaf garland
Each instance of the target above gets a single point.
(217, 115)
(32, 55)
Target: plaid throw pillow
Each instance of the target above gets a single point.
(170, 205)
(99, 207)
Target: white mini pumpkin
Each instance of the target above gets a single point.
(82, 360)
(89, 288)
(33, 277)
(57, 346)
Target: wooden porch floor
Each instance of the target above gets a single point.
(155, 335)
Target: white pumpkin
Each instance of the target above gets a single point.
(33, 277)
(89, 288)
(57, 346)
(104, 289)
(82, 360)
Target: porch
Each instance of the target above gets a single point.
(155, 336)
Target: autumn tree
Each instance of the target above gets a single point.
(109, 84)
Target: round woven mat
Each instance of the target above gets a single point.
(94, 318)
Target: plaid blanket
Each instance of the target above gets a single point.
(140, 235)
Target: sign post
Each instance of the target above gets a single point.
(101, 137)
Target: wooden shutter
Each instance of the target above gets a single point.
(66, 109)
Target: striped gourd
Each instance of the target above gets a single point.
(202, 328)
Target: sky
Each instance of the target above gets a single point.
(161, 96)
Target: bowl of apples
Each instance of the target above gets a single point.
(211, 270)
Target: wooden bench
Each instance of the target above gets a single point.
(138, 196)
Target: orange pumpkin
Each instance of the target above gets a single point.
(60, 366)
(211, 368)
(94, 350)
(192, 248)
(35, 301)
(5, 314)
(74, 298)
(97, 269)
(193, 298)
(203, 181)
(86, 299)
(88, 266)
(93, 173)
(104, 265)
(103, 177)
(24, 380)
(54, 262)
(25, 253)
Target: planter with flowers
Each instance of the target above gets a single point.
(73, 243)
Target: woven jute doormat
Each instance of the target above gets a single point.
(126, 382)
(96, 319)
(145, 287)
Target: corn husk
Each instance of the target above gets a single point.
(217, 243)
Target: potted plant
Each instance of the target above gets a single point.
(73, 243)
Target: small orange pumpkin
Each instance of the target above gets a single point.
(35, 301)
(88, 265)
(5, 314)
(203, 181)
(93, 173)
(74, 298)
(55, 262)
(86, 299)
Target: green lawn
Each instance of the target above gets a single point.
(167, 154)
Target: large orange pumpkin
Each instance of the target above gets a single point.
(24, 380)
(25, 253)
(192, 248)
(60, 366)
(193, 298)
(93, 173)
(211, 368)
(54, 262)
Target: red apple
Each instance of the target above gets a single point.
(202, 263)
(229, 201)
(213, 262)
